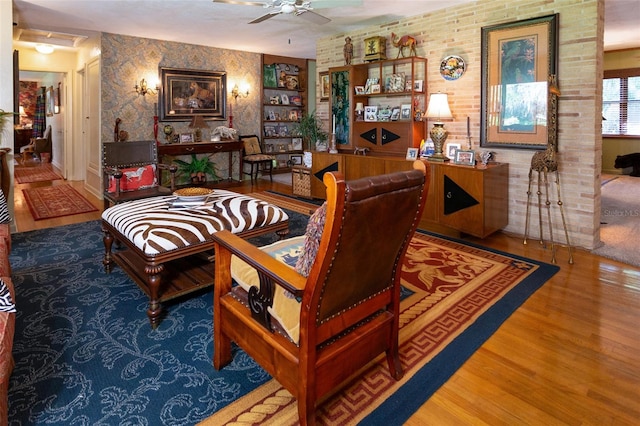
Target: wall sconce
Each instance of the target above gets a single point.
(438, 109)
(143, 89)
(235, 92)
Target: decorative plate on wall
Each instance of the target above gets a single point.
(452, 67)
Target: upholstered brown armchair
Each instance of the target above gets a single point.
(312, 332)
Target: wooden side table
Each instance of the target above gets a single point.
(205, 148)
(301, 181)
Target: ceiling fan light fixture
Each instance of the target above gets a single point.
(44, 48)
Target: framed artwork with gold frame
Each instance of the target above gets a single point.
(518, 59)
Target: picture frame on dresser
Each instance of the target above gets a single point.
(514, 87)
(464, 157)
(186, 93)
(296, 144)
(186, 138)
(412, 154)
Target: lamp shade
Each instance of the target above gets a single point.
(438, 107)
(197, 122)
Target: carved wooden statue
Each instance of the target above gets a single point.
(544, 162)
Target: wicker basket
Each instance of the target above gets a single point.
(301, 177)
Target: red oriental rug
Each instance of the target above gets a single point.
(54, 201)
(455, 295)
(41, 173)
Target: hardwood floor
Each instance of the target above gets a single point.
(569, 355)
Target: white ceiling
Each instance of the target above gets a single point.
(206, 23)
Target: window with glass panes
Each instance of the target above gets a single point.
(621, 103)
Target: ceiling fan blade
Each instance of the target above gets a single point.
(244, 3)
(313, 17)
(265, 17)
(325, 4)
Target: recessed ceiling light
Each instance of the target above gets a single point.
(44, 48)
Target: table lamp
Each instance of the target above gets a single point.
(198, 123)
(359, 111)
(437, 110)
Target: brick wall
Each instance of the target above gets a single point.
(457, 31)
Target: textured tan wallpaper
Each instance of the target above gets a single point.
(126, 60)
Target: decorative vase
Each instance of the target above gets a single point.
(307, 158)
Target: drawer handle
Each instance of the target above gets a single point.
(449, 195)
(189, 148)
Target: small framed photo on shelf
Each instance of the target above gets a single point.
(186, 138)
(284, 99)
(271, 115)
(408, 85)
(295, 115)
(296, 144)
(466, 158)
(451, 150)
(375, 88)
(268, 147)
(296, 159)
(405, 112)
(270, 131)
(371, 113)
(417, 86)
(412, 153)
(359, 90)
(395, 113)
(274, 100)
(295, 100)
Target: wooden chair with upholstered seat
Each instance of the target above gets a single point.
(343, 305)
(252, 155)
(131, 172)
(38, 146)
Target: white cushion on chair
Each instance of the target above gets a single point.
(285, 309)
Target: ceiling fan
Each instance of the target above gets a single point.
(302, 8)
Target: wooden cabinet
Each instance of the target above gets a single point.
(284, 101)
(396, 88)
(470, 200)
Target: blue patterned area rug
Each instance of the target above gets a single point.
(85, 353)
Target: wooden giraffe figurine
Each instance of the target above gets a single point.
(543, 163)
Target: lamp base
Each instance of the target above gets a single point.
(439, 136)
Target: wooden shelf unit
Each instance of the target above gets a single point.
(284, 101)
(398, 80)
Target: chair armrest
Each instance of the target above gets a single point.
(278, 272)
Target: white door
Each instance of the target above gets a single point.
(91, 128)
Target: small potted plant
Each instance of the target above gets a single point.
(198, 169)
(310, 128)
(4, 115)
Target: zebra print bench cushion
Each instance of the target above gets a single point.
(155, 228)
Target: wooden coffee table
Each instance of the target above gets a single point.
(169, 252)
